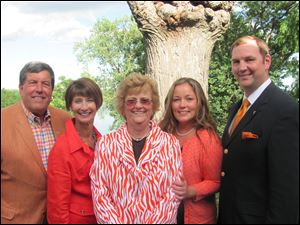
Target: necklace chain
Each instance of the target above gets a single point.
(186, 133)
(139, 139)
(94, 138)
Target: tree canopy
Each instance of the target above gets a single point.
(9, 97)
(275, 22)
(58, 95)
(118, 48)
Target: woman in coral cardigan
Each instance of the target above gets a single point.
(69, 190)
(187, 117)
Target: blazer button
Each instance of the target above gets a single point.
(82, 211)
(222, 174)
(225, 151)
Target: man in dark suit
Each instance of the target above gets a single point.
(260, 170)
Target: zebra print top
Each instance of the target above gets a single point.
(139, 193)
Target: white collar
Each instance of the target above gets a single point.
(252, 98)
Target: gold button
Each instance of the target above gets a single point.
(225, 151)
(222, 173)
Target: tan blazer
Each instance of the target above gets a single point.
(23, 176)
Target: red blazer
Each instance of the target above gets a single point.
(69, 190)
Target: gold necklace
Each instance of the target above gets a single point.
(184, 134)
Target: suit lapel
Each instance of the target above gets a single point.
(250, 114)
(233, 111)
(25, 132)
(255, 109)
(56, 125)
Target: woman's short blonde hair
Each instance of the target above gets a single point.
(136, 82)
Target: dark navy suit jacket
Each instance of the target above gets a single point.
(260, 172)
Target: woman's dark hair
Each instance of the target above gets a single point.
(83, 87)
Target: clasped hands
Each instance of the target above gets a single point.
(182, 190)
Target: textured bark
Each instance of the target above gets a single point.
(179, 38)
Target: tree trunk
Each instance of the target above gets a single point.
(179, 37)
(185, 55)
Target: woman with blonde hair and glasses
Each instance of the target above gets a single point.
(187, 116)
(136, 166)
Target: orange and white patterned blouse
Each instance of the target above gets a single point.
(126, 192)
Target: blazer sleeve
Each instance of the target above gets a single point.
(106, 211)
(211, 165)
(166, 209)
(283, 154)
(59, 185)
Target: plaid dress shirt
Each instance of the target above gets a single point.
(42, 132)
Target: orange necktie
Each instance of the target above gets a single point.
(239, 115)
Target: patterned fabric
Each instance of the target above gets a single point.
(42, 132)
(126, 192)
(202, 158)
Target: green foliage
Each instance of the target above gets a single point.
(294, 91)
(58, 95)
(278, 24)
(9, 97)
(118, 48)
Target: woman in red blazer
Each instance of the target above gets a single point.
(69, 192)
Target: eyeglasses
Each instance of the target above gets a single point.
(133, 101)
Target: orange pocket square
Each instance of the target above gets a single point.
(248, 135)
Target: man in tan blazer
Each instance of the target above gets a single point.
(29, 129)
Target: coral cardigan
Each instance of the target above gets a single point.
(69, 190)
(126, 192)
(202, 158)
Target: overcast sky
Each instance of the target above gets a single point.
(46, 31)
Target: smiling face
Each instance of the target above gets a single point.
(184, 104)
(36, 92)
(138, 108)
(84, 109)
(249, 66)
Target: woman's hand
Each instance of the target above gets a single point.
(182, 190)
